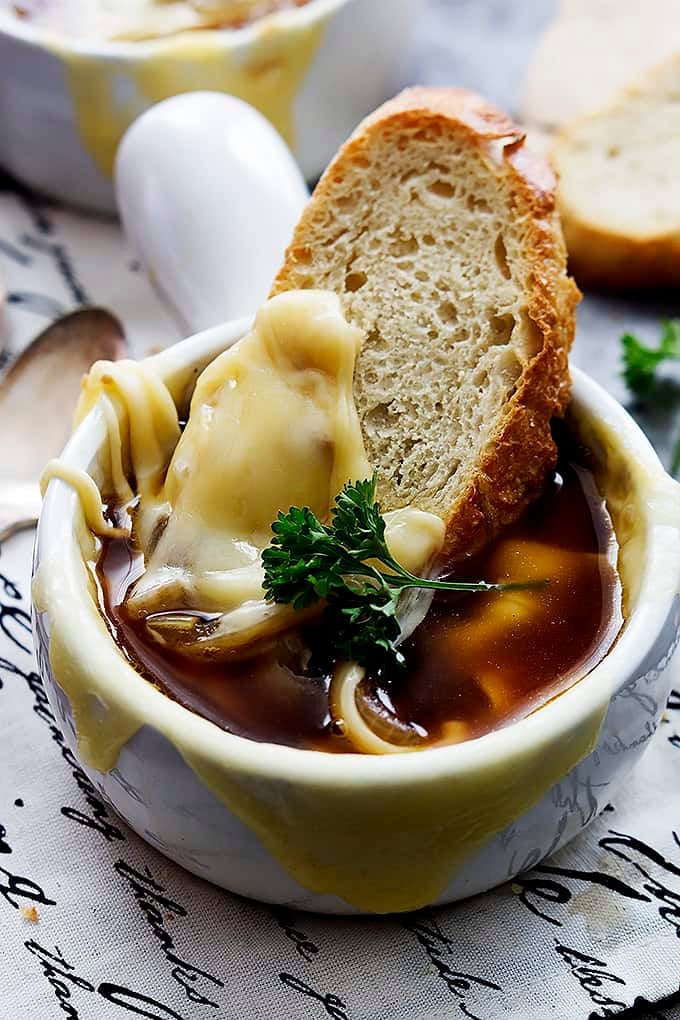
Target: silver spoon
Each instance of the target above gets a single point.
(38, 395)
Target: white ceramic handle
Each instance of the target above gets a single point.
(209, 195)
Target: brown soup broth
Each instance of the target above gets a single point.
(477, 662)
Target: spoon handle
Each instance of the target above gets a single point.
(19, 507)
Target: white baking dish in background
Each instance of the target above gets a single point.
(314, 70)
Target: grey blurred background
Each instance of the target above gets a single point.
(485, 44)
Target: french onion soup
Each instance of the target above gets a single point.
(246, 570)
(476, 662)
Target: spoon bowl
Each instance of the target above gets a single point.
(38, 393)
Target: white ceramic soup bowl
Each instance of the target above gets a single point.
(346, 833)
(315, 71)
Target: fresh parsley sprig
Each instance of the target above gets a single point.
(347, 563)
(640, 364)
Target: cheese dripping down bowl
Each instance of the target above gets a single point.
(314, 70)
(346, 833)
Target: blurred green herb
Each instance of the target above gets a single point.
(347, 563)
(640, 364)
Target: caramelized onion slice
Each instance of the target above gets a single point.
(365, 721)
(218, 636)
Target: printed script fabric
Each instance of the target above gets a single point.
(96, 924)
(52, 260)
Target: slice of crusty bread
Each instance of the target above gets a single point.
(618, 193)
(590, 51)
(439, 232)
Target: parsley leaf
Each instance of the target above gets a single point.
(363, 627)
(640, 364)
(357, 522)
(348, 565)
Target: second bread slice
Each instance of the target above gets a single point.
(618, 194)
(439, 232)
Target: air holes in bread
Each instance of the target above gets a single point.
(379, 419)
(354, 281)
(510, 368)
(532, 336)
(447, 312)
(501, 328)
(443, 189)
(400, 245)
(501, 255)
(475, 204)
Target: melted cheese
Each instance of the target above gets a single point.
(268, 73)
(414, 537)
(88, 494)
(272, 424)
(135, 401)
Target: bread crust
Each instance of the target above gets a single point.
(520, 452)
(606, 261)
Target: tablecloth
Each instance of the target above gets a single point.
(95, 923)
